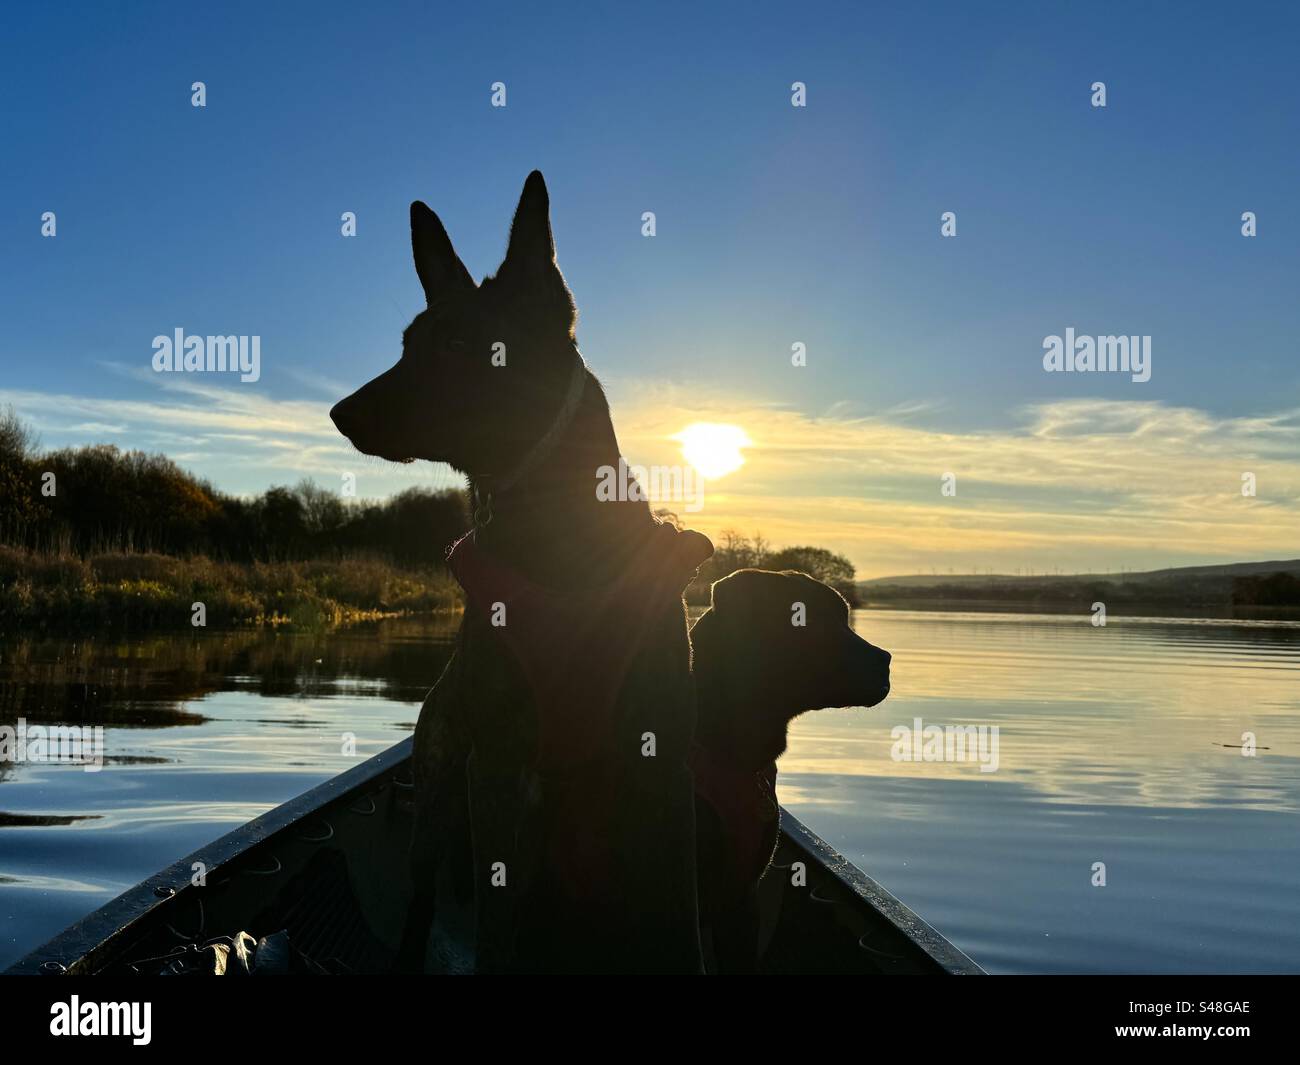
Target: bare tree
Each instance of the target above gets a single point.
(736, 550)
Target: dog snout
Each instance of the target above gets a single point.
(355, 420)
(343, 415)
(375, 418)
(872, 670)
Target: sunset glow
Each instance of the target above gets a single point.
(713, 449)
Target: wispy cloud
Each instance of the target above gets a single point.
(1078, 484)
(239, 437)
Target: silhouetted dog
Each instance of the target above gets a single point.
(570, 681)
(770, 646)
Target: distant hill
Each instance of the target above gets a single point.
(1238, 589)
(1177, 573)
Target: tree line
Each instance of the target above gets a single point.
(98, 498)
(734, 550)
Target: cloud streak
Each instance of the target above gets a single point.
(1079, 484)
(237, 436)
(1082, 484)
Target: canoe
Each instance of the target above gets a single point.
(330, 867)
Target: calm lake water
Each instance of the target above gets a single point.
(1113, 747)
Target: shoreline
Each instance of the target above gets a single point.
(1118, 611)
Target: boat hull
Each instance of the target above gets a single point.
(330, 866)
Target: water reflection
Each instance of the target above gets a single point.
(147, 680)
(1112, 749)
(203, 731)
(1135, 712)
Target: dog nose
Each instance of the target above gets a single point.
(878, 665)
(340, 415)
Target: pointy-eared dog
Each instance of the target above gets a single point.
(570, 683)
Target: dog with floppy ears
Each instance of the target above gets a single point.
(570, 682)
(770, 647)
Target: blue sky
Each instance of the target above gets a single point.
(775, 225)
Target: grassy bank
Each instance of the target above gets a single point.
(139, 591)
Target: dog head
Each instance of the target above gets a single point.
(483, 367)
(774, 645)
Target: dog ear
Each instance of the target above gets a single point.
(735, 592)
(530, 256)
(706, 640)
(436, 261)
(532, 246)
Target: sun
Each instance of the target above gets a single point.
(713, 449)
